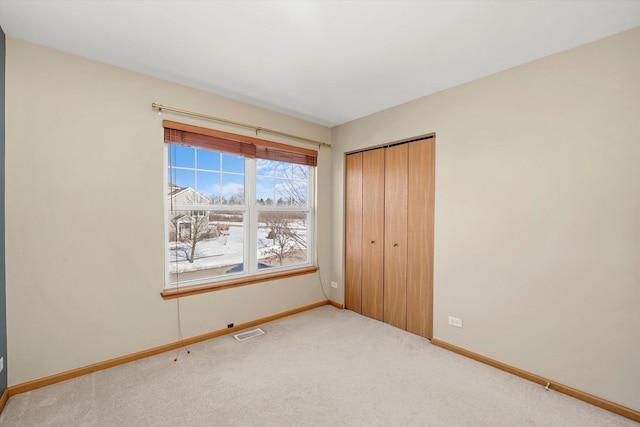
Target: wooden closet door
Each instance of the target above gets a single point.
(420, 214)
(372, 233)
(395, 236)
(353, 233)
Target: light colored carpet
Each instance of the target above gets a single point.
(323, 367)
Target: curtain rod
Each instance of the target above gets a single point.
(257, 129)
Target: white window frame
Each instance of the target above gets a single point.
(251, 210)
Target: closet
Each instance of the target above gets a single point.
(389, 212)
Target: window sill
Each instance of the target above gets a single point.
(218, 286)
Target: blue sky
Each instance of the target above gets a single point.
(218, 174)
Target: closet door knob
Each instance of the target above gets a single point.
(373, 241)
(395, 244)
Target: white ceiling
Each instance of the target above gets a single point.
(325, 61)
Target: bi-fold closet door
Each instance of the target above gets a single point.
(389, 234)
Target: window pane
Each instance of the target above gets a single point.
(300, 172)
(282, 239)
(233, 189)
(181, 156)
(298, 191)
(204, 244)
(231, 163)
(208, 186)
(265, 191)
(265, 167)
(282, 169)
(182, 178)
(282, 195)
(282, 198)
(291, 192)
(209, 160)
(187, 196)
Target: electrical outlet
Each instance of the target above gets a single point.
(334, 285)
(1, 364)
(454, 321)
(230, 325)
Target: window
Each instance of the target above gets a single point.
(235, 207)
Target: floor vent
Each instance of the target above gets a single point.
(248, 334)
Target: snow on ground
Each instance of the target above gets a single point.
(214, 253)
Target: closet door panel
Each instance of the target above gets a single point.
(420, 215)
(373, 233)
(353, 233)
(395, 236)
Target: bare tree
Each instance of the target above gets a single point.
(286, 242)
(287, 229)
(190, 228)
(294, 188)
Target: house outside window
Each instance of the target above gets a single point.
(235, 211)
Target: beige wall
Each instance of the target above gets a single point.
(84, 214)
(537, 216)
